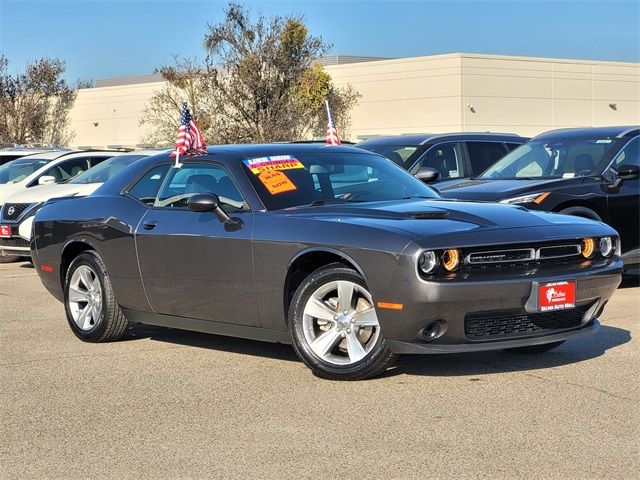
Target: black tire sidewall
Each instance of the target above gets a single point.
(359, 369)
(92, 261)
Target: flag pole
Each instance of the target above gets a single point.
(326, 102)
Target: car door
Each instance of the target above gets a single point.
(191, 264)
(483, 154)
(624, 202)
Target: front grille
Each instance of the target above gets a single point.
(12, 211)
(518, 323)
(14, 242)
(559, 251)
(501, 256)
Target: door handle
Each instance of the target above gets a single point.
(150, 224)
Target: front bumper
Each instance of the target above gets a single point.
(18, 244)
(453, 303)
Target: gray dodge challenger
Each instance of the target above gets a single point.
(335, 250)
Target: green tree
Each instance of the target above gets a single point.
(35, 103)
(260, 81)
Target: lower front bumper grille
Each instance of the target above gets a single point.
(16, 242)
(518, 323)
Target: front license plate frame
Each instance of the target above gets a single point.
(563, 296)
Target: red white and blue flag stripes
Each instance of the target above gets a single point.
(190, 140)
(332, 131)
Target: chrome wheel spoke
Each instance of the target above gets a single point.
(345, 295)
(318, 309)
(95, 285)
(77, 294)
(85, 277)
(325, 342)
(84, 319)
(366, 318)
(355, 349)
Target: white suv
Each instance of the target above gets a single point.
(16, 216)
(39, 169)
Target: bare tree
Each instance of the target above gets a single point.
(35, 104)
(259, 82)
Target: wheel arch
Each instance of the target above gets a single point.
(587, 208)
(308, 260)
(71, 250)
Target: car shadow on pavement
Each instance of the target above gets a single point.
(211, 341)
(483, 363)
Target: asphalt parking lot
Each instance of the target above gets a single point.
(172, 404)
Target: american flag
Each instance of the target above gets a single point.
(190, 140)
(332, 131)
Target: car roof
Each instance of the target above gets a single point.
(614, 131)
(255, 150)
(422, 138)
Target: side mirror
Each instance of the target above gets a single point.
(210, 202)
(46, 180)
(203, 202)
(427, 174)
(628, 172)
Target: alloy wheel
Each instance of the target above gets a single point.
(85, 297)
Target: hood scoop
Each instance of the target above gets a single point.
(429, 215)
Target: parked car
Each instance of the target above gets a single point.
(16, 216)
(11, 153)
(588, 172)
(40, 169)
(270, 242)
(444, 156)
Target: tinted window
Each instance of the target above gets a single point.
(146, 189)
(512, 146)
(443, 157)
(192, 179)
(630, 154)
(17, 170)
(331, 178)
(66, 170)
(396, 153)
(484, 154)
(552, 158)
(107, 169)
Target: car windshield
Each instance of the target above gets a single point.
(285, 181)
(552, 158)
(398, 154)
(17, 170)
(105, 170)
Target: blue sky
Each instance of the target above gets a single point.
(101, 39)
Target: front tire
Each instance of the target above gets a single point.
(334, 326)
(90, 304)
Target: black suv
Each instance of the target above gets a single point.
(444, 156)
(589, 172)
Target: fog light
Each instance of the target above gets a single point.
(431, 331)
(605, 245)
(588, 247)
(451, 259)
(428, 262)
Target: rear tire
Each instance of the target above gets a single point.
(90, 304)
(545, 347)
(334, 344)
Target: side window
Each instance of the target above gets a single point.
(65, 170)
(512, 146)
(192, 179)
(443, 157)
(630, 154)
(146, 189)
(484, 154)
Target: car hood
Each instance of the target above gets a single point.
(433, 218)
(42, 193)
(494, 190)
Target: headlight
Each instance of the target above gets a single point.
(536, 198)
(451, 259)
(606, 246)
(428, 262)
(588, 247)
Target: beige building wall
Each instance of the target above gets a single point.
(440, 93)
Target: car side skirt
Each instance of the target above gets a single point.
(209, 326)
